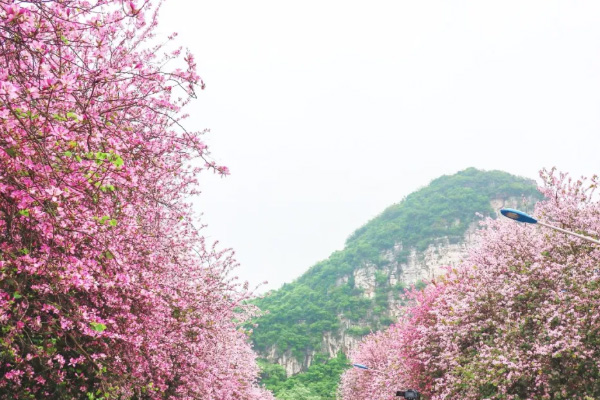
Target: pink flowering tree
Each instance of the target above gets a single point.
(520, 319)
(107, 290)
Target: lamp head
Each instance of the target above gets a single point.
(517, 215)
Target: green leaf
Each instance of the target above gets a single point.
(107, 188)
(117, 161)
(22, 114)
(24, 212)
(64, 39)
(98, 327)
(103, 219)
(11, 152)
(112, 222)
(72, 115)
(17, 295)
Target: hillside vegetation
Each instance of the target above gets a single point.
(318, 382)
(298, 314)
(517, 320)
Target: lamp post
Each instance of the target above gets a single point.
(520, 216)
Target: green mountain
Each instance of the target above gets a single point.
(310, 323)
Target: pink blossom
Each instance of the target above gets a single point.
(93, 185)
(518, 319)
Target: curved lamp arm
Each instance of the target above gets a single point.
(520, 216)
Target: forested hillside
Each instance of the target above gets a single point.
(307, 320)
(518, 319)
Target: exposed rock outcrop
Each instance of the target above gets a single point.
(398, 269)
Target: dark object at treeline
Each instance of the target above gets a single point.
(408, 394)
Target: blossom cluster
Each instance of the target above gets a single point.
(519, 319)
(107, 289)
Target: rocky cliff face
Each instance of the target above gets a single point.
(398, 269)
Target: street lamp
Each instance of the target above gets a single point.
(520, 216)
(362, 366)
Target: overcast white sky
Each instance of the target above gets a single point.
(328, 111)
